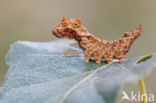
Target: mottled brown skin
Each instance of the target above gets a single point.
(92, 46)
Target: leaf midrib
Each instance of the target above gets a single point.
(83, 80)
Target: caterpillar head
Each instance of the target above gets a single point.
(68, 28)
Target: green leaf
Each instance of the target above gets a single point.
(144, 59)
(39, 73)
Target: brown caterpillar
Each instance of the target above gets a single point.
(92, 46)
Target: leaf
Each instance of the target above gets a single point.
(39, 73)
(144, 59)
(75, 45)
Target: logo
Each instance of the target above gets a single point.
(137, 97)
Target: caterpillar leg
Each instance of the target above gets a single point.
(98, 58)
(86, 58)
(87, 55)
(98, 55)
(108, 56)
(109, 60)
(121, 57)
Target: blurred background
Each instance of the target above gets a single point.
(32, 20)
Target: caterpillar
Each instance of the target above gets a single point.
(93, 46)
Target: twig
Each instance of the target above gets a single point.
(142, 90)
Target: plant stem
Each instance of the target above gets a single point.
(142, 90)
